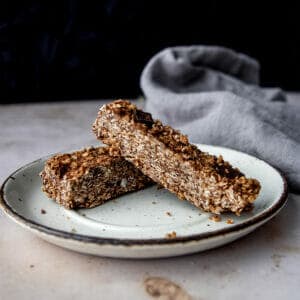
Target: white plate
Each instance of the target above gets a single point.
(135, 225)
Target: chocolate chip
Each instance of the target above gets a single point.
(224, 171)
(143, 117)
(63, 170)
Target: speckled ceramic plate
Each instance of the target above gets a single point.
(136, 225)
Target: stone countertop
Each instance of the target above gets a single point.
(263, 265)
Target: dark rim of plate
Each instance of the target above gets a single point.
(138, 242)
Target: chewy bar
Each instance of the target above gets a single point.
(87, 178)
(167, 157)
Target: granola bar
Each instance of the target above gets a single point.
(89, 177)
(167, 157)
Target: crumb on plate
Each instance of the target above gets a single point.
(215, 218)
(171, 235)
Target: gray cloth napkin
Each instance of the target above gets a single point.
(212, 94)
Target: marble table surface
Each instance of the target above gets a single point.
(263, 265)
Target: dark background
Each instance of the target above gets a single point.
(55, 50)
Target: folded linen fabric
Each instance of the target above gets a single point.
(212, 94)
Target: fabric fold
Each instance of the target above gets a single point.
(212, 94)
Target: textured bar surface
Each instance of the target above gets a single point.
(87, 178)
(167, 157)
